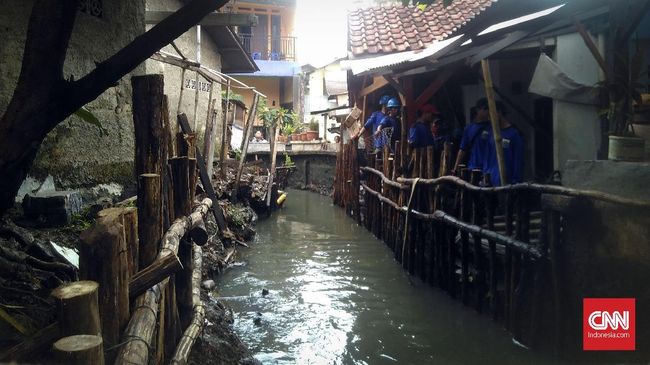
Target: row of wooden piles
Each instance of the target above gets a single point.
(139, 301)
(483, 246)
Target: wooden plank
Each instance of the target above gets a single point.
(224, 232)
(433, 88)
(593, 49)
(396, 85)
(212, 19)
(377, 84)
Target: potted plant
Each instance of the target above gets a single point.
(312, 132)
(620, 90)
(297, 133)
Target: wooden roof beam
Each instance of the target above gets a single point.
(212, 19)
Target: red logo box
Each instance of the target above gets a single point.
(608, 324)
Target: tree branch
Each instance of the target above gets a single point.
(110, 71)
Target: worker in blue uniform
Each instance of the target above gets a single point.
(372, 124)
(420, 135)
(474, 142)
(513, 151)
(389, 127)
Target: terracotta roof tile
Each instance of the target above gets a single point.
(399, 28)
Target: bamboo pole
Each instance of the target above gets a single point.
(494, 119)
(244, 151)
(78, 308)
(80, 350)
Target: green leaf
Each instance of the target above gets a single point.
(88, 117)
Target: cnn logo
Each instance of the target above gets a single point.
(608, 324)
(601, 320)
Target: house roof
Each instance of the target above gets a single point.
(397, 28)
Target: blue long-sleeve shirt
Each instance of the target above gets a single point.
(420, 136)
(513, 156)
(475, 141)
(372, 124)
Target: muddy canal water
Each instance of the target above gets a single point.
(336, 296)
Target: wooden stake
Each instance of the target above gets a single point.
(149, 217)
(193, 173)
(275, 130)
(148, 123)
(180, 185)
(130, 224)
(103, 258)
(494, 119)
(244, 151)
(194, 329)
(80, 350)
(210, 133)
(224, 132)
(78, 308)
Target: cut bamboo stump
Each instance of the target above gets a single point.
(78, 308)
(150, 217)
(103, 258)
(79, 350)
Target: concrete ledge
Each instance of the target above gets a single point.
(627, 179)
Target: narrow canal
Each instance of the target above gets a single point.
(336, 296)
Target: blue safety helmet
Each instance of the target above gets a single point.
(393, 103)
(384, 99)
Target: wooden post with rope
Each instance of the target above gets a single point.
(494, 119)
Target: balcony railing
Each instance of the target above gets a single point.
(269, 48)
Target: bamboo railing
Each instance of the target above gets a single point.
(494, 248)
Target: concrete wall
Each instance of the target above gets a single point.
(576, 126)
(76, 153)
(210, 58)
(316, 168)
(269, 86)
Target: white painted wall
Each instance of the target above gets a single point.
(576, 127)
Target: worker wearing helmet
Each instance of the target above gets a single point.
(373, 123)
(389, 127)
(420, 133)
